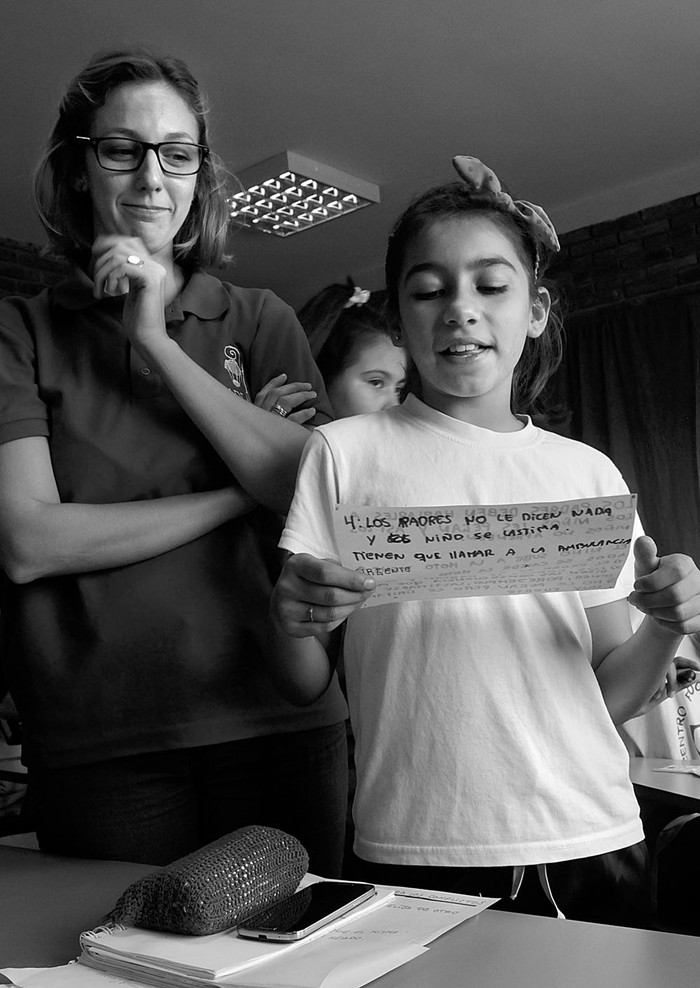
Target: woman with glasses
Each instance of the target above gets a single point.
(140, 491)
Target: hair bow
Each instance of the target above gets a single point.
(359, 297)
(484, 182)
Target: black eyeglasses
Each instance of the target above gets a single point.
(125, 154)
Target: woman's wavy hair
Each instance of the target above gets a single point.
(335, 328)
(541, 355)
(66, 212)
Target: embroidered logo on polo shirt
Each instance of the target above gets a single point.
(233, 363)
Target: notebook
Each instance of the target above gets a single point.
(378, 936)
(186, 960)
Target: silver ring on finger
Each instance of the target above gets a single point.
(134, 260)
(310, 615)
(280, 410)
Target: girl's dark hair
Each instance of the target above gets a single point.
(334, 328)
(66, 212)
(541, 355)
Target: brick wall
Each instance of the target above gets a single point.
(647, 253)
(24, 270)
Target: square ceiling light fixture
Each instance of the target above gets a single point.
(289, 193)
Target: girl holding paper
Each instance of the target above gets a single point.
(487, 757)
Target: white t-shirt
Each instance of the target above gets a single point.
(482, 737)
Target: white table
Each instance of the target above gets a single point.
(675, 790)
(45, 902)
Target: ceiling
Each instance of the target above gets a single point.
(586, 106)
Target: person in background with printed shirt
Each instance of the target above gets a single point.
(140, 495)
(668, 725)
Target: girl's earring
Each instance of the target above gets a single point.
(542, 300)
(80, 184)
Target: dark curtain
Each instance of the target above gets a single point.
(630, 382)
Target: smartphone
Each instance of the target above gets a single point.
(305, 911)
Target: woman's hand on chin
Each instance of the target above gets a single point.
(123, 266)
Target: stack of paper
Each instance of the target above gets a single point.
(394, 927)
(179, 960)
(377, 937)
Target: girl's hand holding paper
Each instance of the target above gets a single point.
(666, 588)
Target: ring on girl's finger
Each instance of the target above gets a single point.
(135, 260)
(280, 410)
(310, 614)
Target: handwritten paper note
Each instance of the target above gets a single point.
(419, 553)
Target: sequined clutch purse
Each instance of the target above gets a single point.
(217, 886)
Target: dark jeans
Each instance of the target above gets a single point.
(608, 888)
(158, 806)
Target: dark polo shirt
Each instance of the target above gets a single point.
(165, 653)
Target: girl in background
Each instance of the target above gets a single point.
(487, 756)
(363, 368)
